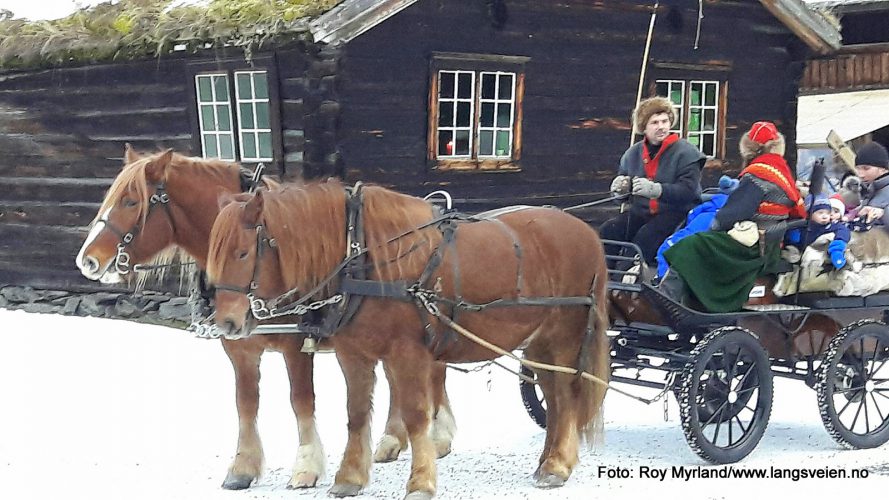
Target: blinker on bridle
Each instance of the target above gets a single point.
(122, 259)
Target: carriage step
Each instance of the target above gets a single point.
(774, 307)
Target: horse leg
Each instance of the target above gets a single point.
(563, 437)
(354, 472)
(247, 464)
(443, 424)
(394, 439)
(411, 370)
(310, 459)
(545, 379)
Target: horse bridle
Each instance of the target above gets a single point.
(122, 259)
(262, 241)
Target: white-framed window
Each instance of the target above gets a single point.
(696, 103)
(246, 134)
(475, 118)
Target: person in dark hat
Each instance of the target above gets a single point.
(872, 167)
(663, 175)
(720, 266)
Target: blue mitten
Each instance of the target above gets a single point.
(837, 251)
(793, 237)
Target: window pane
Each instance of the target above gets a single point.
(709, 145)
(248, 145)
(694, 140)
(445, 143)
(210, 150)
(446, 114)
(464, 86)
(676, 95)
(695, 94)
(226, 148)
(464, 118)
(694, 120)
(262, 115)
(487, 117)
(462, 142)
(505, 91)
(488, 82)
(221, 85)
(504, 114)
(222, 113)
(710, 119)
(502, 148)
(261, 85)
(205, 94)
(710, 94)
(244, 91)
(265, 145)
(246, 115)
(661, 88)
(446, 84)
(207, 118)
(486, 143)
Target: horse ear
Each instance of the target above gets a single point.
(129, 154)
(225, 199)
(155, 170)
(253, 209)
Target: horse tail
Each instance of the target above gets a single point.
(595, 358)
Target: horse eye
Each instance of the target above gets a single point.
(242, 255)
(129, 203)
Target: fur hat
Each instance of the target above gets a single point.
(836, 201)
(873, 154)
(763, 137)
(650, 107)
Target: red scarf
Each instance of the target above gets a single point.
(772, 168)
(650, 164)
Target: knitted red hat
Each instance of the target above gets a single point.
(763, 132)
(836, 201)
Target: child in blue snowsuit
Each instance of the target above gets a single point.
(698, 220)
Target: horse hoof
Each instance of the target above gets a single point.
(303, 480)
(237, 481)
(345, 490)
(418, 495)
(545, 480)
(388, 449)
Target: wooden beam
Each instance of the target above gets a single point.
(809, 26)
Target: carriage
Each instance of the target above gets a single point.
(720, 366)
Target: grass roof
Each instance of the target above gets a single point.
(138, 28)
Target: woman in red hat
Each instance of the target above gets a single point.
(720, 266)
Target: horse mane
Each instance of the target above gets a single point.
(308, 221)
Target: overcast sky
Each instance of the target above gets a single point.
(44, 9)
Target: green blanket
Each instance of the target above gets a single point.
(719, 270)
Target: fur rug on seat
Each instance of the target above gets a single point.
(866, 271)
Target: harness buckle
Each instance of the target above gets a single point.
(122, 260)
(127, 238)
(258, 307)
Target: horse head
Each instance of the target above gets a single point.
(133, 223)
(243, 262)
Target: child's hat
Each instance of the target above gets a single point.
(820, 203)
(727, 184)
(836, 202)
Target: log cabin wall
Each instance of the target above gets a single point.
(580, 82)
(857, 68)
(62, 136)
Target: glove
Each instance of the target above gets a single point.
(794, 236)
(620, 184)
(647, 188)
(837, 251)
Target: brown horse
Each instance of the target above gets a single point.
(530, 252)
(191, 187)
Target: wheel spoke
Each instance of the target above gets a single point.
(845, 406)
(877, 407)
(741, 425)
(718, 424)
(716, 412)
(866, 414)
(880, 392)
(855, 420)
(874, 360)
(850, 389)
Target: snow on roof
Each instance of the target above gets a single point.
(851, 114)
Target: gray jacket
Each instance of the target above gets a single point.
(876, 194)
(678, 172)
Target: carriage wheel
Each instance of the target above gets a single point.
(726, 395)
(532, 396)
(853, 385)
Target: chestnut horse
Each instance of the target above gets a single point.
(191, 187)
(295, 238)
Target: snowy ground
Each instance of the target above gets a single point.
(102, 409)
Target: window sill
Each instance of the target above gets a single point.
(476, 166)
